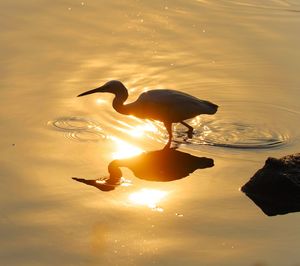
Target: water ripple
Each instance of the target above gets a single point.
(243, 125)
(230, 134)
(79, 128)
(239, 125)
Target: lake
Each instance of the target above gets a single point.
(242, 55)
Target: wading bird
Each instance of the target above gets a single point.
(168, 106)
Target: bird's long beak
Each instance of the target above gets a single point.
(100, 89)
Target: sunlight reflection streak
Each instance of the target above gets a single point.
(124, 149)
(139, 130)
(149, 198)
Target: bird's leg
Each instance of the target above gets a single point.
(190, 131)
(169, 129)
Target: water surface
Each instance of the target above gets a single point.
(242, 55)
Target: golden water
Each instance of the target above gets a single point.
(242, 55)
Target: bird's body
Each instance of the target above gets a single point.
(168, 106)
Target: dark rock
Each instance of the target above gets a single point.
(276, 187)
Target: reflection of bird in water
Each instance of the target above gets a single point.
(163, 165)
(168, 106)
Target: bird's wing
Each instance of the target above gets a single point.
(171, 104)
(174, 98)
(167, 97)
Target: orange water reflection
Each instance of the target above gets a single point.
(148, 197)
(142, 129)
(124, 149)
(100, 101)
(247, 55)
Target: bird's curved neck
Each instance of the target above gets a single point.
(118, 103)
(115, 173)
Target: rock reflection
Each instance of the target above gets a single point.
(162, 166)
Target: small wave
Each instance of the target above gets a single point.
(243, 125)
(238, 124)
(79, 128)
(238, 135)
(84, 136)
(74, 123)
(250, 7)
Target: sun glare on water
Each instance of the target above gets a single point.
(148, 197)
(124, 149)
(100, 101)
(140, 130)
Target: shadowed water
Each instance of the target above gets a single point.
(241, 55)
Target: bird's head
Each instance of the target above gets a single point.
(114, 86)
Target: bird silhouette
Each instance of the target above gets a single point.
(168, 106)
(161, 166)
